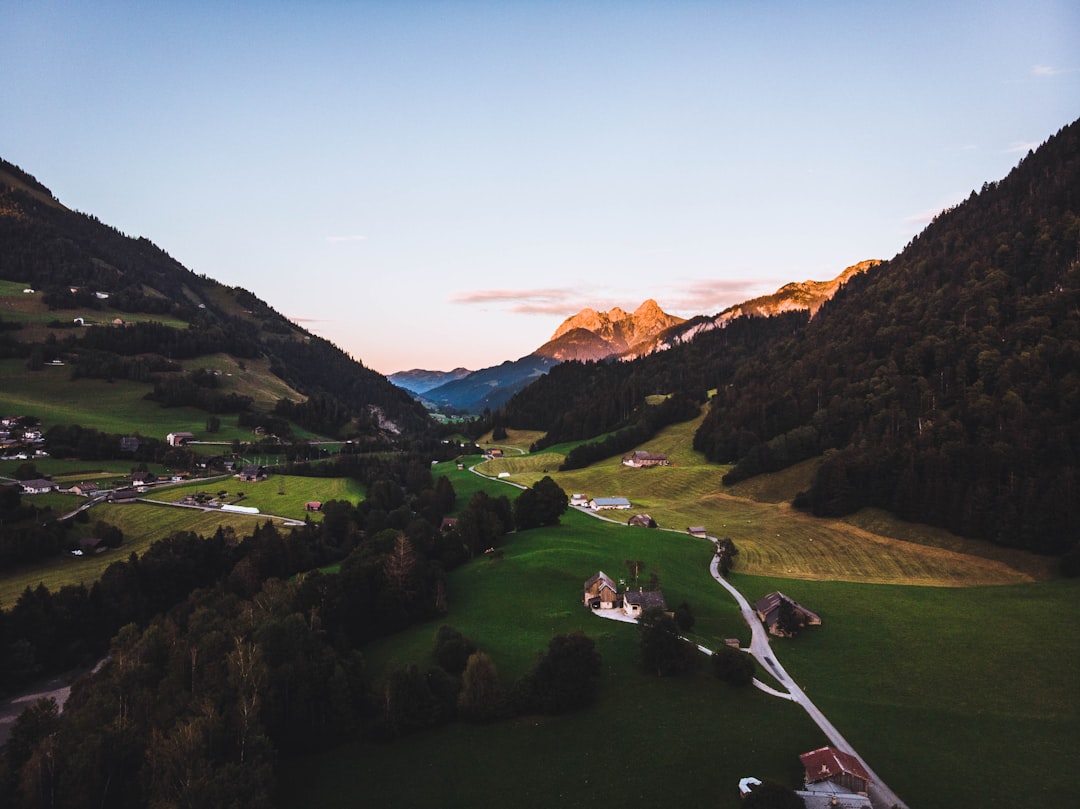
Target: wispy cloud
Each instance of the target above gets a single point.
(351, 238)
(694, 297)
(1046, 71)
(550, 301)
(311, 320)
(924, 218)
(1022, 147)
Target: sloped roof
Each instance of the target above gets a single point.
(828, 762)
(603, 578)
(645, 599)
(769, 606)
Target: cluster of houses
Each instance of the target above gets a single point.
(601, 593)
(18, 442)
(832, 779)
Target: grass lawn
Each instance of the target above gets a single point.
(772, 537)
(948, 692)
(143, 523)
(952, 695)
(280, 495)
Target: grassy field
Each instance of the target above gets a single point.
(280, 495)
(950, 693)
(772, 537)
(144, 523)
(120, 406)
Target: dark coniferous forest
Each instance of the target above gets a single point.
(943, 385)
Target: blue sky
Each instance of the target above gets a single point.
(434, 184)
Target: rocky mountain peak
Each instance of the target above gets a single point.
(592, 335)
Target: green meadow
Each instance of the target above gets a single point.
(144, 523)
(948, 692)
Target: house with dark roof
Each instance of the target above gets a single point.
(600, 592)
(771, 610)
(642, 459)
(38, 486)
(252, 473)
(827, 764)
(636, 603)
(644, 520)
(178, 439)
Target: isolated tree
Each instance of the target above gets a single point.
(481, 698)
(725, 554)
(660, 649)
(684, 618)
(732, 666)
(565, 677)
(451, 649)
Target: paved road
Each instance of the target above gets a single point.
(880, 795)
(760, 648)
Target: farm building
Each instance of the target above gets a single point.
(89, 545)
(697, 531)
(606, 503)
(252, 473)
(38, 486)
(178, 439)
(642, 459)
(636, 603)
(771, 608)
(827, 764)
(644, 520)
(600, 592)
(581, 500)
(313, 505)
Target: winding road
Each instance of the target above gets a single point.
(881, 796)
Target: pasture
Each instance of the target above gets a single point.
(772, 537)
(927, 682)
(144, 523)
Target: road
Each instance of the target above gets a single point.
(880, 795)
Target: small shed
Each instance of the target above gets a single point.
(580, 500)
(643, 520)
(313, 505)
(697, 531)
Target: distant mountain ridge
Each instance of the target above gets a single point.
(418, 380)
(801, 295)
(590, 335)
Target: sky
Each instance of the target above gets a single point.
(440, 184)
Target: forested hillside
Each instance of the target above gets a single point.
(79, 266)
(943, 385)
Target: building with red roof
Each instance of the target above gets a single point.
(842, 769)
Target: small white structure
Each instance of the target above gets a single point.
(579, 500)
(746, 786)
